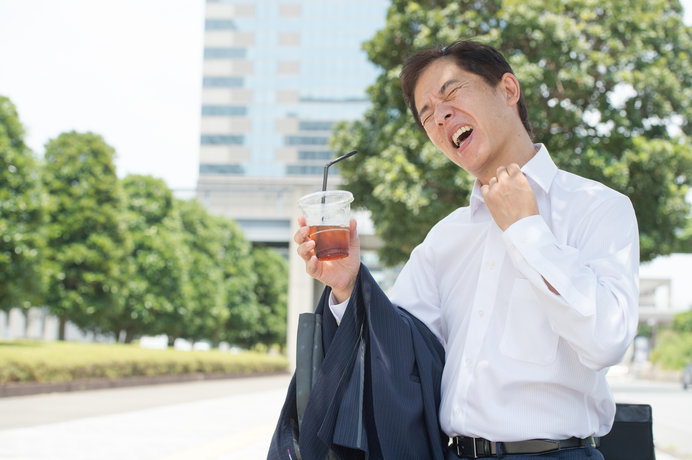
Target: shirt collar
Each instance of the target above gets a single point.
(540, 170)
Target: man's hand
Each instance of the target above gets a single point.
(339, 274)
(509, 197)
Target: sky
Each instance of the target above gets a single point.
(129, 70)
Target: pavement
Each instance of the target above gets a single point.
(211, 420)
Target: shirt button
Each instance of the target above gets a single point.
(457, 411)
(481, 313)
(491, 265)
(467, 362)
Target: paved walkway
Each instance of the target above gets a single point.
(217, 420)
(208, 420)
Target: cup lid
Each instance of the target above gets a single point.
(330, 197)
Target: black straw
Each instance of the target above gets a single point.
(326, 169)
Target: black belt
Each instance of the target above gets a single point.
(466, 447)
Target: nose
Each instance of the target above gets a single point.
(442, 113)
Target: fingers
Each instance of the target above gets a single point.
(353, 228)
(502, 175)
(513, 169)
(303, 232)
(306, 246)
(504, 172)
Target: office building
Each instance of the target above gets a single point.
(277, 75)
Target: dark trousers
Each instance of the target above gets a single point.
(579, 453)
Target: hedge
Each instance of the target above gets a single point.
(35, 361)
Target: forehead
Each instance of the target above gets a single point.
(435, 75)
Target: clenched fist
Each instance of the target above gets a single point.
(509, 197)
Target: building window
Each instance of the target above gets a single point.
(305, 140)
(219, 24)
(223, 110)
(225, 53)
(221, 139)
(315, 155)
(207, 168)
(295, 170)
(315, 125)
(222, 82)
(289, 10)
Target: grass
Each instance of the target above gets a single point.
(35, 361)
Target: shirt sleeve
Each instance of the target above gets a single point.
(595, 274)
(338, 309)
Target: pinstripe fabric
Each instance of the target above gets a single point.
(377, 391)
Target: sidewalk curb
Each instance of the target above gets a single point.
(8, 390)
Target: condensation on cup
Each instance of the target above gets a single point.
(328, 215)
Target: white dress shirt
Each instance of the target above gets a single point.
(522, 362)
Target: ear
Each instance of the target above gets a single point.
(509, 85)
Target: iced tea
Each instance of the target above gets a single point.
(331, 241)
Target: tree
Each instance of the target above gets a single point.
(157, 285)
(21, 215)
(240, 280)
(609, 91)
(206, 310)
(272, 295)
(86, 238)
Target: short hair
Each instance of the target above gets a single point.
(482, 60)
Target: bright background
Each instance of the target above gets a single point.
(129, 70)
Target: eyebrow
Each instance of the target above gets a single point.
(443, 88)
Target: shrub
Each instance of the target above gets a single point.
(673, 349)
(32, 361)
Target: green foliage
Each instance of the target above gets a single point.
(157, 283)
(126, 257)
(272, 295)
(206, 312)
(673, 349)
(86, 238)
(27, 361)
(682, 322)
(605, 84)
(239, 287)
(674, 345)
(21, 215)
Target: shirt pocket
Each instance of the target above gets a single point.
(527, 336)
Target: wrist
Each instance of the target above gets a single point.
(341, 294)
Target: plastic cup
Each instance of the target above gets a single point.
(328, 215)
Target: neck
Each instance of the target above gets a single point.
(518, 149)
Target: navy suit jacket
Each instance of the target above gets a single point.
(374, 391)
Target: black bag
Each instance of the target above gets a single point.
(631, 437)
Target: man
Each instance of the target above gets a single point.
(532, 288)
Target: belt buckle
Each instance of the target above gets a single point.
(485, 450)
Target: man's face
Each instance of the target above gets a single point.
(464, 116)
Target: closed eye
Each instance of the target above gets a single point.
(451, 93)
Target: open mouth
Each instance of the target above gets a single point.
(461, 134)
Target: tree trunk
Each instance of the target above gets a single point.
(44, 316)
(129, 335)
(7, 324)
(26, 322)
(61, 327)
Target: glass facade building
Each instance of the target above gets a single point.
(277, 75)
